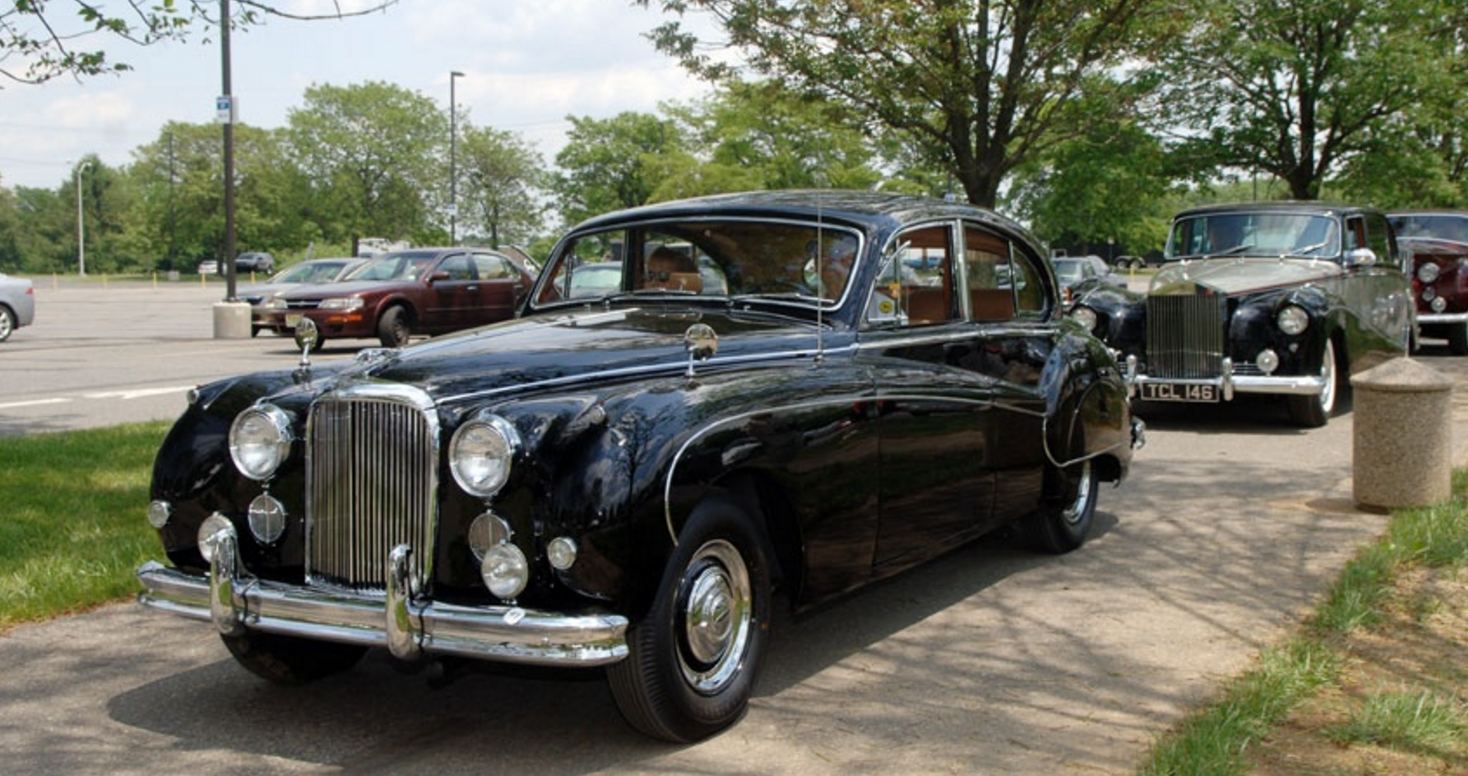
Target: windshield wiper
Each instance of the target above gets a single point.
(1309, 249)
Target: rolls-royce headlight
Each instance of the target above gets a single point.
(481, 453)
(1292, 320)
(267, 519)
(505, 571)
(1085, 316)
(344, 303)
(260, 441)
(1428, 272)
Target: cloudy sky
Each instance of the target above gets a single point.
(527, 64)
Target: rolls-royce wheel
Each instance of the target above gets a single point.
(290, 660)
(7, 322)
(1458, 339)
(694, 659)
(392, 328)
(1315, 411)
(1062, 526)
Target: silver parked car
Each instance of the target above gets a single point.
(17, 304)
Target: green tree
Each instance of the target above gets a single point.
(980, 86)
(49, 41)
(371, 155)
(503, 181)
(1100, 193)
(1295, 88)
(610, 164)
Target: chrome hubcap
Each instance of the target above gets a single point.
(716, 616)
(1081, 505)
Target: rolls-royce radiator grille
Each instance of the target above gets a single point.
(1185, 336)
(371, 470)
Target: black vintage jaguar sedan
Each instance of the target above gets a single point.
(1283, 298)
(768, 399)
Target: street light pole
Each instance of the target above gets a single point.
(453, 161)
(81, 232)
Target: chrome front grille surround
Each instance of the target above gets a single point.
(1185, 336)
(371, 484)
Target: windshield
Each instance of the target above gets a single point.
(1253, 234)
(1441, 226)
(705, 258)
(1067, 271)
(318, 271)
(394, 266)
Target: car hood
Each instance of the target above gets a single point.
(583, 347)
(1239, 275)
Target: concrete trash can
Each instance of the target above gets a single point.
(231, 320)
(1402, 438)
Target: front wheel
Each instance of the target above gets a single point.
(694, 659)
(392, 329)
(7, 322)
(289, 660)
(1315, 411)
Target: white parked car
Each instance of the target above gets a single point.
(17, 304)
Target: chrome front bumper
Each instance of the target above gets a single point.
(235, 602)
(1437, 318)
(1229, 383)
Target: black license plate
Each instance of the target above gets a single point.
(1179, 392)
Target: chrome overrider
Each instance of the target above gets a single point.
(408, 626)
(1229, 383)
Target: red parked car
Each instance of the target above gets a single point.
(417, 291)
(1437, 241)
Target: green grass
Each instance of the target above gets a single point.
(72, 529)
(1214, 740)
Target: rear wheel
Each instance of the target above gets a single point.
(392, 329)
(1063, 526)
(7, 322)
(1315, 411)
(694, 659)
(290, 660)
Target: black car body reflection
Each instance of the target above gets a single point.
(768, 399)
(1283, 298)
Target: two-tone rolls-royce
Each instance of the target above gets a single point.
(1280, 298)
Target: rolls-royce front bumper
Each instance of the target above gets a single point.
(235, 602)
(1226, 385)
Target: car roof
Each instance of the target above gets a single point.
(855, 207)
(1279, 206)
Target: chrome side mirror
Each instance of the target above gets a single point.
(702, 342)
(1360, 257)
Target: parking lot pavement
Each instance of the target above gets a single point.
(991, 660)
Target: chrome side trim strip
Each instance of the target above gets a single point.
(503, 633)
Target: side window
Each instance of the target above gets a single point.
(991, 291)
(1029, 291)
(1379, 240)
(915, 286)
(1355, 236)
(491, 267)
(588, 266)
(457, 268)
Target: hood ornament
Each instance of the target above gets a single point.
(307, 336)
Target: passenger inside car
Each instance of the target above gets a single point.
(671, 270)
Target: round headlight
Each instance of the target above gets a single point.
(212, 526)
(505, 571)
(267, 519)
(1292, 320)
(1439, 304)
(485, 532)
(481, 453)
(1267, 361)
(1085, 316)
(1428, 272)
(260, 440)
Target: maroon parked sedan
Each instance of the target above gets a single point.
(1438, 243)
(417, 291)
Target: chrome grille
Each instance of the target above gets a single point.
(372, 483)
(1185, 336)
